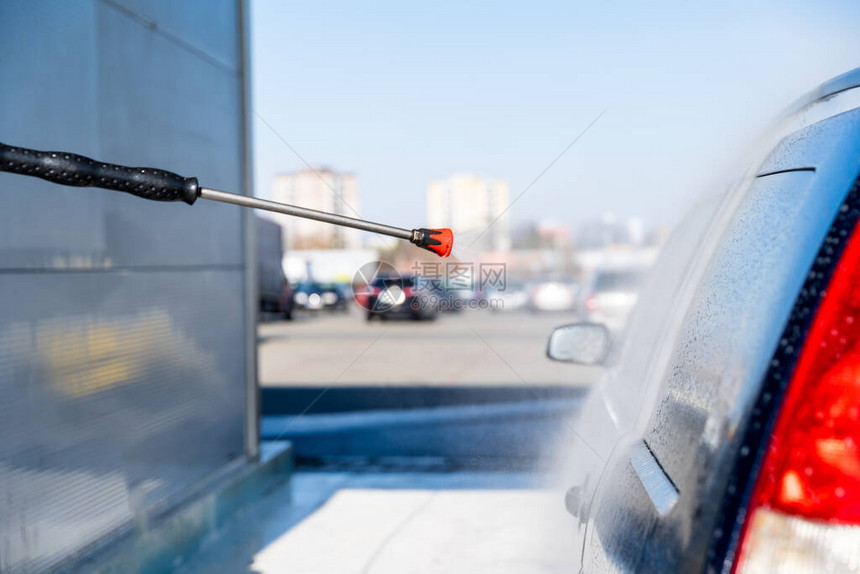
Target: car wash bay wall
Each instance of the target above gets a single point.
(123, 323)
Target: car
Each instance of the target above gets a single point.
(513, 297)
(612, 295)
(316, 296)
(553, 296)
(724, 436)
(399, 296)
(447, 296)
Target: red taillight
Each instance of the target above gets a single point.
(812, 466)
(407, 291)
(591, 303)
(809, 487)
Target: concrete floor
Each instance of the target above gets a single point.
(397, 523)
(473, 347)
(409, 522)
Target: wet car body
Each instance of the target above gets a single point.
(669, 444)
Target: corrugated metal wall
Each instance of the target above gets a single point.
(122, 322)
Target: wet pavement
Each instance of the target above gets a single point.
(398, 522)
(439, 483)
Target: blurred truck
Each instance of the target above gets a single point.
(274, 291)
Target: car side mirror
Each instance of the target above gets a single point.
(583, 343)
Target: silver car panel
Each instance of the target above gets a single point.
(696, 353)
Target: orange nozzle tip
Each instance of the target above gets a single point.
(439, 241)
(446, 238)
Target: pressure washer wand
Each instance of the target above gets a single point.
(160, 185)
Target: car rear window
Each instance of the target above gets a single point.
(618, 281)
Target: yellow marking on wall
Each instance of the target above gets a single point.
(85, 357)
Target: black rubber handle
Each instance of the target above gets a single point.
(70, 169)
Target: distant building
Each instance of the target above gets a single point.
(323, 190)
(610, 230)
(469, 205)
(545, 234)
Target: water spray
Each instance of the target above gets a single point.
(160, 185)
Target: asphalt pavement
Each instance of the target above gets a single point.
(468, 390)
(474, 347)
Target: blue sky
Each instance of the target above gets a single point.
(404, 93)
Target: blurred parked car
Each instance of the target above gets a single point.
(314, 296)
(449, 298)
(612, 296)
(398, 296)
(553, 296)
(725, 437)
(515, 296)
